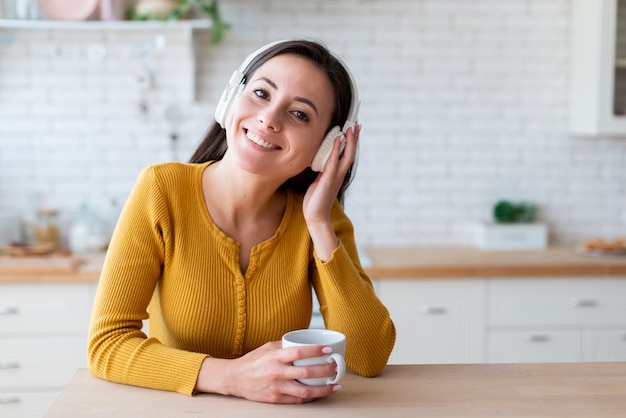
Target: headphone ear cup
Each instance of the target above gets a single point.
(325, 149)
(222, 110)
(229, 95)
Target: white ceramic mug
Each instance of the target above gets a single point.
(333, 339)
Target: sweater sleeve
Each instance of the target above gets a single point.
(118, 350)
(349, 303)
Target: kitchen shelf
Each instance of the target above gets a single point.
(106, 24)
(187, 27)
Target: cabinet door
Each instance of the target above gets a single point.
(26, 404)
(534, 346)
(597, 101)
(40, 362)
(605, 345)
(437, 321)
(557, 301)
(45, 308)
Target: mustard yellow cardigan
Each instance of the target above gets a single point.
(169, 263)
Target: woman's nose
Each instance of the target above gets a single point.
(270, 117)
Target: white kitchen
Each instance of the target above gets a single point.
(469, 108)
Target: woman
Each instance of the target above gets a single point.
(221, 254)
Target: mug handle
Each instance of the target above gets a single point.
(341, 368)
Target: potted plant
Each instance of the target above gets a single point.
(514, 228)
(180, 9)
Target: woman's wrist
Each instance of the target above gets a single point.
(213, 376)
(324, 239)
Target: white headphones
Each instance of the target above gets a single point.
(237, 83)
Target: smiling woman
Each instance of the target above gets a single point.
(224, 253)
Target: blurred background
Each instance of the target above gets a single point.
(464, 103)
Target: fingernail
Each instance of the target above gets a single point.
(327, 350)
(336, 388)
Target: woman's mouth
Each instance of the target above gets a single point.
(260, 142)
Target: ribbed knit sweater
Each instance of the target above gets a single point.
(170, 264)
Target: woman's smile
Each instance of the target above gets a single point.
(260, 141)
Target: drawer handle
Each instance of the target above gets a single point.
(6, 365)
(8, 310)
(583, 303)
(5, 400)
(432, 310)
(537, 338)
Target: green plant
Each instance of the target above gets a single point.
(507, 212)
(209, 7)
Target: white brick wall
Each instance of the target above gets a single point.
(464, 103)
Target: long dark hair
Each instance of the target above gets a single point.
(213, 146)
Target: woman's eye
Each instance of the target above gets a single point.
(301, 115)
(260, 93)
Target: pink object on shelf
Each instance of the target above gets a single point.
(113, 9)
(69, 9)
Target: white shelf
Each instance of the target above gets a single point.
(105, 25)
(187, 27)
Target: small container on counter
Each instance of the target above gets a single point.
(87, 232)
(47, 228)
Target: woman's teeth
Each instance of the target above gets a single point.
(252, 137)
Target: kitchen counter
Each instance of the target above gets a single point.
(477, 390)
(468, 262)
(78, 269)
(386, 262)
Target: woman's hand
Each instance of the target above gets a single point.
(319, 198)
(267, 375)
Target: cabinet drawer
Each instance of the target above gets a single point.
(40, 362)
(605, 345)
(26, 404)
(437, 321)
(534, 346)
(45, 308)
(567, 301)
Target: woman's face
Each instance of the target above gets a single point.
(277, 124)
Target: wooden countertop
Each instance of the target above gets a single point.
(80, 269)
(396, 263)
(475, 390)
(441, 262)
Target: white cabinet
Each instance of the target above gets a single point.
(43, 337)
(607, 345)
(557, 301)
(598, 68)
(556, 319)
(437, 321)
(507, 320)
(534, 346)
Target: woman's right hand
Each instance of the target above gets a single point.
(267, 375)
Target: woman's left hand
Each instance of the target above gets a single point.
(321, 195)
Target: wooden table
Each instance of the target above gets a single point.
(476, 390)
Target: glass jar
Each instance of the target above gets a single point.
(47, 228)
